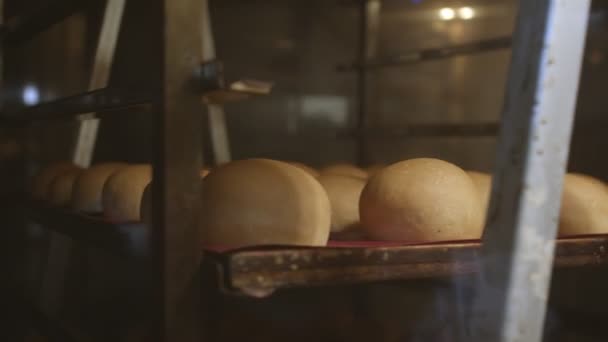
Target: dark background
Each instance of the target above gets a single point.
(298, 44)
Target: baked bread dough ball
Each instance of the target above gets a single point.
(483, 184)
(306, 168)
(345, 170)
(41, 183)
(88, 188)
(60, 193)
(584, 208)
(146, 200)
(421, 200)
(263, 202)
(123, 191)
(343, 193)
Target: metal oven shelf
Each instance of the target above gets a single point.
(129, 239)
(259, 271)
(104, 99)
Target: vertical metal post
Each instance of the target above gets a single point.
(362, 86)
(102, 67)
(84, 148)
(177, 252)
(532, 156)
(369, 21)
(217, 116)
(61, 247)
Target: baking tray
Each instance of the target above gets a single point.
(259, 271)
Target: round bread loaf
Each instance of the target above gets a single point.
(345, 170)
(88, 188)
(306, 168)
(40, 185)
(123, 191)
(146, 200)
(263, 202)
(343, 193)
(584, 208)
(421, 200)
(483, 184)
(60, 193)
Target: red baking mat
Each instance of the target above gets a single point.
(336, 244)
(370, 244)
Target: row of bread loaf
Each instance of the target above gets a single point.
(427, 200)
(111, 188)
(261, 201)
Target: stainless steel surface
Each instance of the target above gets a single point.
(373, 8)
(425, 55)
(176, 252)
(218, 134)
(531, 160)
(369, 24)
(102, 66)
(105, 99)
(217, 90)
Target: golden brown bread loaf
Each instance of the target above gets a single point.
(60, 193)
(343, 193)
(263, 202)
(88, 188)
(40, 186)
(123, 191)
(584, 208)
(421, 200)
(345, 170)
